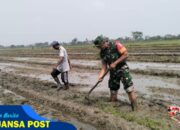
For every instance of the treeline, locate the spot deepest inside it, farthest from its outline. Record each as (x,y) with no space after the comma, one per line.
(1,46)
(135,36)
(138,36)
(44,44)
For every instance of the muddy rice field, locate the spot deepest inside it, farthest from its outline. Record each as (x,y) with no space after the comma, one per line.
(27,80)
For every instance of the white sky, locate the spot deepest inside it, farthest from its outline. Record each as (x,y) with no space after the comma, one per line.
(31,21)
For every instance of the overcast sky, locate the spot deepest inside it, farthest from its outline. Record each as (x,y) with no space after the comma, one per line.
(31,21)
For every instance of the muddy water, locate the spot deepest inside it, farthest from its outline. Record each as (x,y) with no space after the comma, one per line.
(51,60)
(151,65)
(141,82)
(86,63)
(43,88)
(89,78)
(97,63)
(9,65)
(38,60)
(85,79)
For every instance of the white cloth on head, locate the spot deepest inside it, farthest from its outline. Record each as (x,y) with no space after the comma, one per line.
(64,66)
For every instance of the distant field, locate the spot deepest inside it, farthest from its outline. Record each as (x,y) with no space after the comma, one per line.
(157,51)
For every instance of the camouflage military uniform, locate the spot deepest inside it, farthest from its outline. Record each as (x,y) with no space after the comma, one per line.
(120,73)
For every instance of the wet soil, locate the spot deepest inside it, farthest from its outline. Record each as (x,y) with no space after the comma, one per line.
(169,91)
(33,82)
(150,68)
(100,113)
(8,97)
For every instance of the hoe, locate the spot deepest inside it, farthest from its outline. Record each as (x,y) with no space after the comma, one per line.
(87,97)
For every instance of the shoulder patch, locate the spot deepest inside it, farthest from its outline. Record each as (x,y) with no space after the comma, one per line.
(120,47)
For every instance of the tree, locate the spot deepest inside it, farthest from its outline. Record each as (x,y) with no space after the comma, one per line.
(41,44)
(121,39)
(158,37)
(74,41)
(137,35)
(178,36)
(147,38)
(12,46)
(169,36)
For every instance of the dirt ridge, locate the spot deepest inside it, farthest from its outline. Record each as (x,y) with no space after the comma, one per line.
(94,116)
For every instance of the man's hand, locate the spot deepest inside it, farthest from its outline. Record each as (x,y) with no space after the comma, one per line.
(113,65)
(102,72)
(100,79)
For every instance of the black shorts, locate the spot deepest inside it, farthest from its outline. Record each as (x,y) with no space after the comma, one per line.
(55,73)
(64,75)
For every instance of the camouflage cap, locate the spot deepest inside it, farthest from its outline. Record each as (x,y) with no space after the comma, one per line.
(100,40)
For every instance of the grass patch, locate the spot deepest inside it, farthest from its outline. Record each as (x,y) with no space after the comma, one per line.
(89,51)
(129,116)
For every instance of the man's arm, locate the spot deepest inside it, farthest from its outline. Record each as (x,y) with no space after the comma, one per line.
(103,71)
(124,54)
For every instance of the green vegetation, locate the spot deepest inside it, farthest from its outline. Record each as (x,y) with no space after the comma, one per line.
(145,44)
(147,51)
(145,121)
(155,43)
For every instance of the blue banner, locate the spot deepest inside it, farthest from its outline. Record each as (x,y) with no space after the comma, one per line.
(24,117)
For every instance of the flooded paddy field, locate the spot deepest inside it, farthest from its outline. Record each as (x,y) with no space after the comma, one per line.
(150,68)
(29,81)
(155,66)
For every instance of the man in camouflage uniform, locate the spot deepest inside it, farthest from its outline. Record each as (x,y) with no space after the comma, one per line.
(114,55)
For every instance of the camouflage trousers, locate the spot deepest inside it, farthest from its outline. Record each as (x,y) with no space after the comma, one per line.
(122,75)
